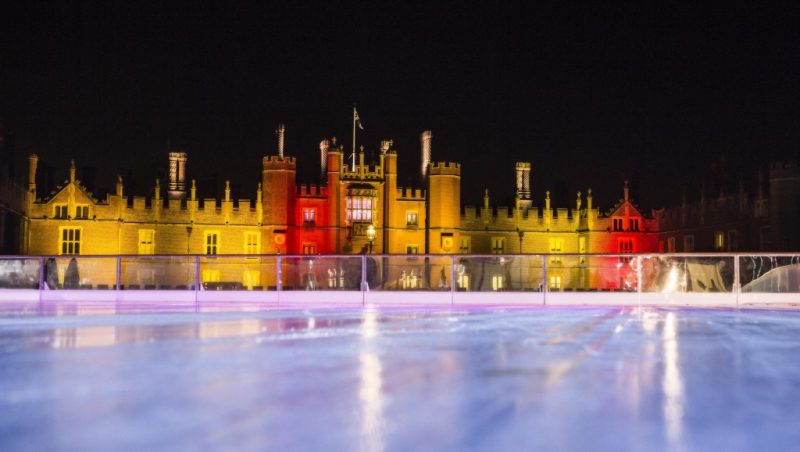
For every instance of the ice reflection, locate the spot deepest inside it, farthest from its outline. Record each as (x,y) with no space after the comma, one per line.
(371,391)
(672,384)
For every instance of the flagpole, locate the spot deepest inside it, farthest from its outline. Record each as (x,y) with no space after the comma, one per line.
(354,140)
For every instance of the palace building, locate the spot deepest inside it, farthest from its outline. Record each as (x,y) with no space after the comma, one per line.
(358,208)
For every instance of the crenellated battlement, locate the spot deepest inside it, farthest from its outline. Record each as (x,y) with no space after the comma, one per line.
(312,190)
(410,193)
(445,168)
(779,170)
(276,162)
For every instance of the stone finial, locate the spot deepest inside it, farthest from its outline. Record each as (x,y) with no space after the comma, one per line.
(626,191)
(119,185)
(72,170)
(194,190)
(486,198)
(578,202)
(547,200)
(227,190)
(157,190)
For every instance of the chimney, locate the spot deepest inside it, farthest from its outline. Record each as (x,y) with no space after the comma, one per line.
(176,188)
(280,132)
(425,143)
(324,145)
(33,162)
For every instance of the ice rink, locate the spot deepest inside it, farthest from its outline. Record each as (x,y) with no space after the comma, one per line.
(402,380)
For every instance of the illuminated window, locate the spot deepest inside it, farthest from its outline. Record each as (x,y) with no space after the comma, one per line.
(688,243)
(147,244)
(412,218)
(251,278)
(309,248)
(309,216)
(634,224)
(617,224)
(671,244)
(498,282)
(60,211)
(498,245)
(465,245)
(555,282)
(359,208)
(719,240)
(82,212)
(412,249)
(556,247)
(69,241)
(252,242)
(210,276)
(212,242)
(625,247)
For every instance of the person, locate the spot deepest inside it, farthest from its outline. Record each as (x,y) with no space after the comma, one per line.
(71,278)
(51,274)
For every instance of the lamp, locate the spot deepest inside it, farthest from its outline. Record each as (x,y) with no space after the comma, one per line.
(371,236)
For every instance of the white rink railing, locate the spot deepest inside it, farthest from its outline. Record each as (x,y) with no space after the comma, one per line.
(724,279)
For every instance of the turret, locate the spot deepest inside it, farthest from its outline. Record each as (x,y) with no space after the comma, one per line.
(444,206)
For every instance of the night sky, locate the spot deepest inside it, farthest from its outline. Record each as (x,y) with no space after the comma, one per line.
(591,95)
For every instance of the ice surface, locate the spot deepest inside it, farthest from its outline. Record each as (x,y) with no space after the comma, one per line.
(401,380)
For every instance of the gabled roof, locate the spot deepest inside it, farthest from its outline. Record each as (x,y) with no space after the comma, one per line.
(82,195)
(619,209)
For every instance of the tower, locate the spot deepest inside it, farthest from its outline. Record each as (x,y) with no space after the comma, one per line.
(444,207)
(279,186)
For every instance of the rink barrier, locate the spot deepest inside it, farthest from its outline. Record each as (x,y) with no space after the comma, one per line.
(714,279)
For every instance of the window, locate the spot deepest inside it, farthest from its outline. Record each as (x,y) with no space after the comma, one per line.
(82,212)
(719,240)
(498,245)
(617,224)
(412,218)
(70,241)
(210,276)
(634,224)
(251,278)
(555,282)
(147,241)
(671,244)
(412,249)
(733,242)
(252,242)
(556,247)
(498,282)
(309,248)
(212,243)
(359,208)
(309,216)
(625,247)
(60,211)
(688,243)
(465,245)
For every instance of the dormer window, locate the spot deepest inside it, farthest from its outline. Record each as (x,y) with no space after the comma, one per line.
(82,212)
(617,222)
(634,224)
(60,211)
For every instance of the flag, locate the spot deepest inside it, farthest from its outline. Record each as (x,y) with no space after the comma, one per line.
(357,119)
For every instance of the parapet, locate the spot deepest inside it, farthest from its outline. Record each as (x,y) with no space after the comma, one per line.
(445,168)
(410,193)
(276,162)
(311,190)
(779,170)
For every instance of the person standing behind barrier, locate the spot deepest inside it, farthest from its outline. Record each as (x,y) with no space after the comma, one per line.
(71,277)
(51,274)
